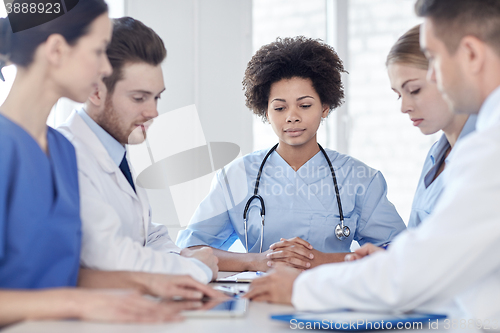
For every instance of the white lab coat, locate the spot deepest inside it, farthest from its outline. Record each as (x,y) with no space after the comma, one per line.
(450,263)
(117,231)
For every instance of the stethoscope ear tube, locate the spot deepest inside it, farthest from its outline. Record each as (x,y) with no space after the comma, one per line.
(341,231)
(262,215)
(249,202)
(258,197)
(339,204)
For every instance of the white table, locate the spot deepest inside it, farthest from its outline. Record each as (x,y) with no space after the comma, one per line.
(256,320)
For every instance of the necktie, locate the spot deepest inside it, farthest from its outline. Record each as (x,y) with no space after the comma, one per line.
(126,171)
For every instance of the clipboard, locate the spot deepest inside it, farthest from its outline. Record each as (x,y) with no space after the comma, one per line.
(354,321)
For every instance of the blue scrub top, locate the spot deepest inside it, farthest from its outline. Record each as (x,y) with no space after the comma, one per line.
(298,204)
(40,228)
(429,191)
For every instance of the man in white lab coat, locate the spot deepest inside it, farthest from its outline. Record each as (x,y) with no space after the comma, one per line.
(450,263)
(117,231)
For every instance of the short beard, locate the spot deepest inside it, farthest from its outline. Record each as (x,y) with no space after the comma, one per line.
(109,120)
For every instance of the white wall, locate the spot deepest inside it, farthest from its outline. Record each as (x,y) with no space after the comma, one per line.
(209,43)
(380,135)
(370,126)
(208,46)
(285,18)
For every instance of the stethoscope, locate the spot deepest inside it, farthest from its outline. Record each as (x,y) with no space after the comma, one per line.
(341,231)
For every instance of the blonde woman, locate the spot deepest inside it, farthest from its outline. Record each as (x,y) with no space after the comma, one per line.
(426,108)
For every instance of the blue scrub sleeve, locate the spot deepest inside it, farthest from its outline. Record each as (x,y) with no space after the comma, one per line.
(379,221)
(217,232)
(3,206)
(6,175)
(204,228)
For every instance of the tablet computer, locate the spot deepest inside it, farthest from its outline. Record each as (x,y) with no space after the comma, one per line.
(359,321)
(235,307)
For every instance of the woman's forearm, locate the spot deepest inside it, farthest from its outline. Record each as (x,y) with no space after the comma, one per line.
(17,306)
(239,262)
(328,258)
(89,278)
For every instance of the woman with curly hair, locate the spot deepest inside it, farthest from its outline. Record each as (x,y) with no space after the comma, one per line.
(295,203)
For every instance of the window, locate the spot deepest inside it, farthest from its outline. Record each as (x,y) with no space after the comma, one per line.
(370,127)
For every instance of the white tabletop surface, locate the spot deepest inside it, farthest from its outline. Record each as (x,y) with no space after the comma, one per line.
(256,320)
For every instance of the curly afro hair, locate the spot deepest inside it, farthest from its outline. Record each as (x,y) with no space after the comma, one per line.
(293,57)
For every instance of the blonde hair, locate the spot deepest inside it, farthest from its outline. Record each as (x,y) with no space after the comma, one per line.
(407,51)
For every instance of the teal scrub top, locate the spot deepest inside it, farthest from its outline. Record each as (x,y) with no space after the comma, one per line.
(298,203)
(40,227)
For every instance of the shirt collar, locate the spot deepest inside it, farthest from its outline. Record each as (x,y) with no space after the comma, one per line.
(439,149)
(470,126)
(442,145)
(489,114)
(115,149)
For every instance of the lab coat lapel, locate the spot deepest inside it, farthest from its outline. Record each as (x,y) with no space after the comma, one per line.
(80,130)
(142,197)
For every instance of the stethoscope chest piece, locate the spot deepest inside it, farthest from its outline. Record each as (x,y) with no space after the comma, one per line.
(342,231)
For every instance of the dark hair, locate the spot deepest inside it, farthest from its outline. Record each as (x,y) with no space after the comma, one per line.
(293,57)
(407,50)
(20,47)
(132,42)
(454,19)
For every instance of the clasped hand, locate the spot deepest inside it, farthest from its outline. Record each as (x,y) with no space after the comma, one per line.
(298,253)
(294,252)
